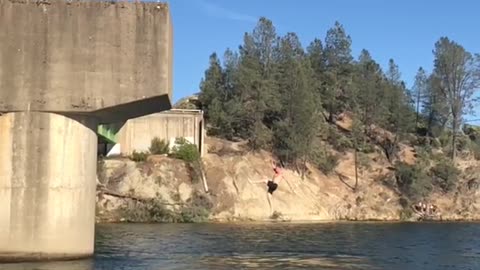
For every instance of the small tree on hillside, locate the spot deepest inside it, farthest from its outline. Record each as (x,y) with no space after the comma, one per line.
(419,91)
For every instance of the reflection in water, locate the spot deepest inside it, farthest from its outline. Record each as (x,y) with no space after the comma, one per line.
(346,246)
(63,265)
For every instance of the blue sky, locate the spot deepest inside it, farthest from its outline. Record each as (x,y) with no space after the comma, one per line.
(403,30)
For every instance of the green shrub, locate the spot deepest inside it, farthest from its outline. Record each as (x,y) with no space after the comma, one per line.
(445,174)
(424,156)
(421,130)
(153,210)
(445,139)
(337,140)
(404,202)
(473,132)
(325,161)
(276,215)
(462,143)
(412,181)
(475,149)
(438,157)
(406,214)
(367,148)
(139,156)
(197,209)
(159,147)
(262,136)
(436,143)
(185,150)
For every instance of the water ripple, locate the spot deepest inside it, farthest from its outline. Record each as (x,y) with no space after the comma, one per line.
(346,246)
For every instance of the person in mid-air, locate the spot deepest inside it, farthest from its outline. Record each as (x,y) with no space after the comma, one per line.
(272,184)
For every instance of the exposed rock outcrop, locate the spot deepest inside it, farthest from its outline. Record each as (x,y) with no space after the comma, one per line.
(229,170)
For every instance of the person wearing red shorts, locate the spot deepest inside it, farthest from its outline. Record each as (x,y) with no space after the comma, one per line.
(272,184)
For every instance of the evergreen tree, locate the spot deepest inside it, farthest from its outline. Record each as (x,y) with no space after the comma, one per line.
(213,92)
(255,84)
(230,125)
(298,127)
(316,57)
(419,91)
(400,110)
(458,73)
(434,108)
(338,74)
(369,92)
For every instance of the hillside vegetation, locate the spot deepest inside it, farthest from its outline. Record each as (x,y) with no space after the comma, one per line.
(166,189)
(289,100)
(356,143)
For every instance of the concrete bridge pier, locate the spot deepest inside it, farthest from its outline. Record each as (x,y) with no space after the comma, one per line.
(87,61)
(47,186)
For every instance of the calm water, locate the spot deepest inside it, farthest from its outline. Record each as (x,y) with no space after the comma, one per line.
(280,246)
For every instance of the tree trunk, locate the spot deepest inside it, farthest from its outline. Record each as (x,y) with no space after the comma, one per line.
(304,167)
(454,137)
(356,170)
(330,113)
(429,125)
(418,107)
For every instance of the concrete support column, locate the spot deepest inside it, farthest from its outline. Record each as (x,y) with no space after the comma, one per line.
(47,186)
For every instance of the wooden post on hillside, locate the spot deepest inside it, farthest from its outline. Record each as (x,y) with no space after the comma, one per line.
(202,175)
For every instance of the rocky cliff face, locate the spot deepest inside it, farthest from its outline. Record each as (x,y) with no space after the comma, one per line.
(126,187)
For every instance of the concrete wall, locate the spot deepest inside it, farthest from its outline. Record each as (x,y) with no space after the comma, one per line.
(107,61)
(82,56)
(47,186)
(137,133)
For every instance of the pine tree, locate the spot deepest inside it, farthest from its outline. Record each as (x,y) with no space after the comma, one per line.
(419,91)
(400,110)
(337,76)
(458,72)
(255,84)
(316,57)
(299,124)
(434,108)
(369,92)
(212,91)
(230,125)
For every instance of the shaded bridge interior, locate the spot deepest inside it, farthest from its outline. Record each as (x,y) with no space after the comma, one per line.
(111,119)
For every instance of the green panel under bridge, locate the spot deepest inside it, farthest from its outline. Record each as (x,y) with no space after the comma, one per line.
(109,132)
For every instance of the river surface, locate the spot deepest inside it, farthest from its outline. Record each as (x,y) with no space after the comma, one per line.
(279,246)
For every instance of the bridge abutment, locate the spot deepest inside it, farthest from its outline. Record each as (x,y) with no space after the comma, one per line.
(47,186)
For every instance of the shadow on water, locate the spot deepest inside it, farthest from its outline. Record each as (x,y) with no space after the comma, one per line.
(348,246)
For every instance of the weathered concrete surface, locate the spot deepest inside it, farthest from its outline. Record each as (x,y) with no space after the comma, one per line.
(137,134)
(47,186)
(84,56)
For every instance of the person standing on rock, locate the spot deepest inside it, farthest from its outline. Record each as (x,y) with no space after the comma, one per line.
(272,184)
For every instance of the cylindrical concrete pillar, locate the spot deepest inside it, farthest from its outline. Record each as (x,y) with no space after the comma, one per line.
(47,186)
